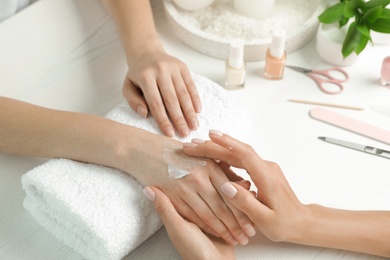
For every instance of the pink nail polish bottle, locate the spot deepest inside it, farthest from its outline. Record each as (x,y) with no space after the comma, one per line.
(276,56)
(385,72)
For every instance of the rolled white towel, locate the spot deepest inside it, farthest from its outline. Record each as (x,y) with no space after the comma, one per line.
(101,212)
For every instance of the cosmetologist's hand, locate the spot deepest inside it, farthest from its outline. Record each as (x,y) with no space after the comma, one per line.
(189,240)
(276,211)
(162,85)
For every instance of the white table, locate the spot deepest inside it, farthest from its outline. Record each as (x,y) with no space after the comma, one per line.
(65,54)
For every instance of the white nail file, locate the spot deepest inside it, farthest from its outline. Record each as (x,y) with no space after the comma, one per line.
(351,124)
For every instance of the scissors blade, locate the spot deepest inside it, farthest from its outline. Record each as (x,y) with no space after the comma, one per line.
(300,69)
(358,147)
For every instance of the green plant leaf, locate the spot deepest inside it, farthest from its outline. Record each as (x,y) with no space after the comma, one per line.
(351,40)
(351,7)
(372,14)
(361,44)
(343,22)
(373,3)
(385,14)
(365,31)
(333,14)
(380,25)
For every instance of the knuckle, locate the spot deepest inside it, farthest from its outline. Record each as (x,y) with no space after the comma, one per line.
(160,209)
(274,166)
(155,104)
(248,150)
(182,92)
(208,218)
(222,211)
(162,66)
(246,203)
(170,101)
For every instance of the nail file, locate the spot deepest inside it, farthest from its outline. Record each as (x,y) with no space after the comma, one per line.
(351,124)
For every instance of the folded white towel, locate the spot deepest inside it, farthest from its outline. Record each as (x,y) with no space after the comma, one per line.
(101,212)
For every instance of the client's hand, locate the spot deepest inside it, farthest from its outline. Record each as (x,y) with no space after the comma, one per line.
(197,196)
(188,239)
(162,84)
(276,211)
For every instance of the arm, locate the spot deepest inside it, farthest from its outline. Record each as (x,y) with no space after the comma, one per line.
(278,213)
(156,81)
(31,130)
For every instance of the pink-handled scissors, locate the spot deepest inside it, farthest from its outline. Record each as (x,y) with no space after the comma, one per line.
(326,80)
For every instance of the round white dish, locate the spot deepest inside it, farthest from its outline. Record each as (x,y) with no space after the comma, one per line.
(287,14)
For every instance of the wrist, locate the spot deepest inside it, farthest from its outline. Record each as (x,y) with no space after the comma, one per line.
(148,48)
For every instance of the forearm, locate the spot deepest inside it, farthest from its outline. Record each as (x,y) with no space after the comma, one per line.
(135,25)
(31,130)
(360,231)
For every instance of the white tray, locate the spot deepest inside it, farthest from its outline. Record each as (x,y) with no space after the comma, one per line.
(300,26)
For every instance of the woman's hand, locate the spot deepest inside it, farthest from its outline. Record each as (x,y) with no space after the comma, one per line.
(155,82)
(197,196)
(188,239)
(162,85)
(275,211)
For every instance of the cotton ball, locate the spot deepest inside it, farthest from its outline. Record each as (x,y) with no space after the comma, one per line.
(193,5)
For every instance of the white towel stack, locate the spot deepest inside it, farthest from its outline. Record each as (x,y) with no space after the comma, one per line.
(101,212)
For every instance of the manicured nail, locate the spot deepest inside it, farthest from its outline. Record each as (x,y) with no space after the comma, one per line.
(249,230)
(142,111)
(169,131)
(198,107)
(198,141)
(229,190)
(184,131)
(194,123)
(189,145)
(149,193)
(215,132)
(232,241)
(243,239)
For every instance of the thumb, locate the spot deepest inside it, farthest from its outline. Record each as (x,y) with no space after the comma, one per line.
(244,201)
(135,98)
(164,207)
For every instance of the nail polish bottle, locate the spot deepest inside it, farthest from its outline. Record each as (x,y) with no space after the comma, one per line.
(385,72)
(276,56)
(235,66)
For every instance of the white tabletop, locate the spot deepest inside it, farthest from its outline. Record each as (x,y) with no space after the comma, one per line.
(65,54)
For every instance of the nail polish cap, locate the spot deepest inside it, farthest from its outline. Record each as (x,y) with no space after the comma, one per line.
(278,43)
(236,54)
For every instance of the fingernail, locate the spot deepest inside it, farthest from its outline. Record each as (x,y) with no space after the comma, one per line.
(249,230)
(232,241)
(169,132)
(243,239)
(149,193)
(184,131)
(189,145)
(142,111)
(198,141)
(194,123)
(198,107)
(229,190)
(215,132)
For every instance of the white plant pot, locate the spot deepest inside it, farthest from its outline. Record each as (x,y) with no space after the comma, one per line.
(329,45)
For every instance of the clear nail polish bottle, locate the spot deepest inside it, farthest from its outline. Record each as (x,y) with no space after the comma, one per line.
(385,72)
(276,56)
(235,66)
